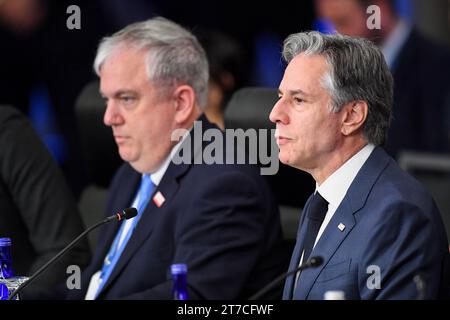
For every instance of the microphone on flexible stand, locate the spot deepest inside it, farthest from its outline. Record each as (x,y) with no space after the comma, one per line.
(314,262)
(127,213)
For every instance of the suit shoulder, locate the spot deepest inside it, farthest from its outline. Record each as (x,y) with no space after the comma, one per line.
(398,201)
(396,180)
(12,121)
(397,192)
(8,112)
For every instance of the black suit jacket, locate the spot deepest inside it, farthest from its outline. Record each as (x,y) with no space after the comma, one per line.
(221,220)
(37,209)
(421,97)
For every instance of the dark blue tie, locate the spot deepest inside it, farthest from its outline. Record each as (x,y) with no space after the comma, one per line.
(317,210)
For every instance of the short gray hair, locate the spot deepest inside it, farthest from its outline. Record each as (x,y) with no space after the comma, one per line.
(357,71)
(175,56)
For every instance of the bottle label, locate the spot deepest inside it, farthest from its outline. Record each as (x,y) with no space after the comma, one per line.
(3,291)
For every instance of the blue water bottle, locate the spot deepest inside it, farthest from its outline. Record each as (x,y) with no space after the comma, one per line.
(179,276)
(8,282)
(6,271)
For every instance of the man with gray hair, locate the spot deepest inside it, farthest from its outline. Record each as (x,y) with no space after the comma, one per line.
(219,220)
(379,234)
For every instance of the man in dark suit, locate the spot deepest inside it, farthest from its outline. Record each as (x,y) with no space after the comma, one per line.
(37,210)
(421,70)
(422,97)
(218,219)
(375,227)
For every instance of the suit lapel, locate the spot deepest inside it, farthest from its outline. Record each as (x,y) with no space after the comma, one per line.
(327,245)
(332,236)
(295,260)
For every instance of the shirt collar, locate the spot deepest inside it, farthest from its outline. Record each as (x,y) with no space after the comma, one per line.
(335,187)
(159,173)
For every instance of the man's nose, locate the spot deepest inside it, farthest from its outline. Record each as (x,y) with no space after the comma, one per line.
(112,115)
(277,114)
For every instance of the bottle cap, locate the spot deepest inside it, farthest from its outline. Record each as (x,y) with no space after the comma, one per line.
(4,242)
(178,268)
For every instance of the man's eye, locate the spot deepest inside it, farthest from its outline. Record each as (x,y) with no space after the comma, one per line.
(127,99)
(298,100)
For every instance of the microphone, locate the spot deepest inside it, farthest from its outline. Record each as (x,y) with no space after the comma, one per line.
(314,262)
(127,213)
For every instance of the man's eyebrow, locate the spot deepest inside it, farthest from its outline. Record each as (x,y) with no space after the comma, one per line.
(298,91)
(124,91)
(118,93)
(295,92)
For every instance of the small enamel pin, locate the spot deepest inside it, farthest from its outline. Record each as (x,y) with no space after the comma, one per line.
(159,199)
(341,226)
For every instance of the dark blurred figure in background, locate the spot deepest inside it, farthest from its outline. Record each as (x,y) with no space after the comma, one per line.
(44,63)
(37,209)
(226,63)
(421,70)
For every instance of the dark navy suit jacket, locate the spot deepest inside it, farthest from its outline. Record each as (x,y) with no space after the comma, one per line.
(221,220)
(390,224)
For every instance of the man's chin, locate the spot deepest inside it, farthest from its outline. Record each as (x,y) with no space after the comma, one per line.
(125,155)
(284,159)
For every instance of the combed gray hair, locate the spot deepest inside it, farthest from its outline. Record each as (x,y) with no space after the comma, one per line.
(357,72)
(174,57)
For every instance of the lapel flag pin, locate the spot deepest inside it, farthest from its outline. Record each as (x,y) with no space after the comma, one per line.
(159,199)
(341,226)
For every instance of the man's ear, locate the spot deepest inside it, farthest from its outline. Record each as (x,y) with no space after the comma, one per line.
(354,114)
(184,103)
